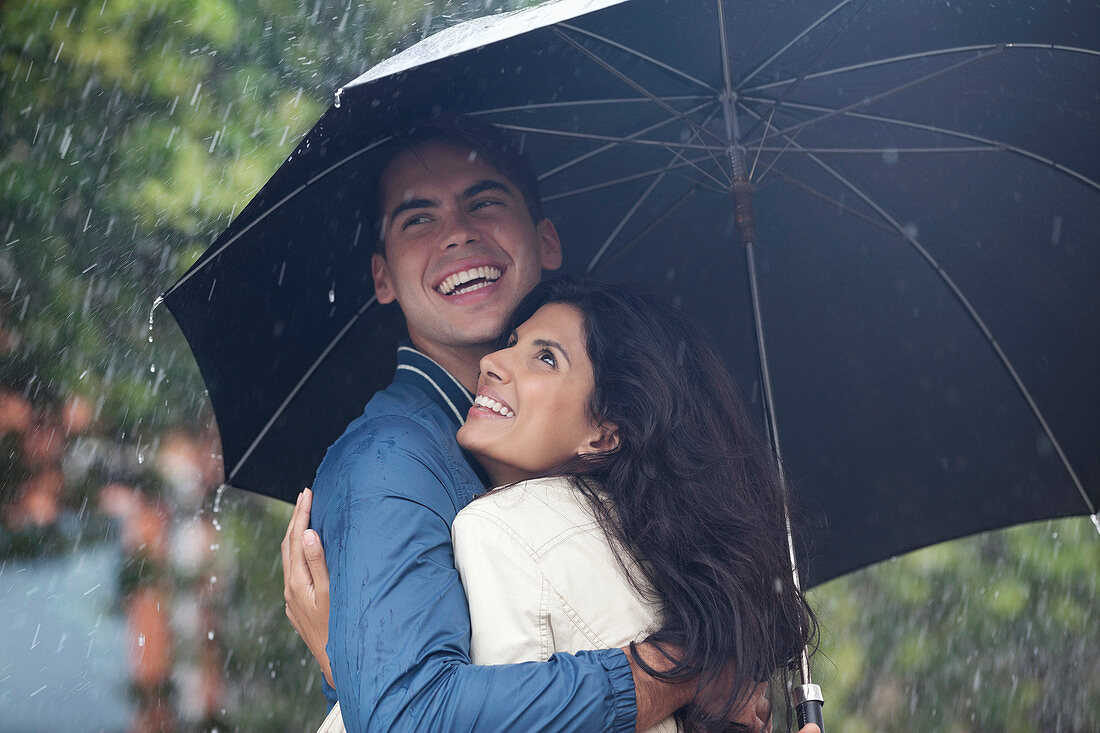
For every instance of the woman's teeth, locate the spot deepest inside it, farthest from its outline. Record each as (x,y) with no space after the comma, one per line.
(490,404)
(468,281)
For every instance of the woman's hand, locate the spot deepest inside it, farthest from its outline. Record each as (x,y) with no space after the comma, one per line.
(305,582)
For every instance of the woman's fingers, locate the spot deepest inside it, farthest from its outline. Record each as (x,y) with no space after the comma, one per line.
(285,549)
(315,559)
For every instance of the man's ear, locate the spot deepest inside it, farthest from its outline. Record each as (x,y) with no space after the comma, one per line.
(383,284)
(603,439)
(550,255)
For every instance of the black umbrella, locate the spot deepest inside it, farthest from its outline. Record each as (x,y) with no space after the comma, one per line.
(925,181)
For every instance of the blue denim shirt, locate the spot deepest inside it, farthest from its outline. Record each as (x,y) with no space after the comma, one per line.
(399,627)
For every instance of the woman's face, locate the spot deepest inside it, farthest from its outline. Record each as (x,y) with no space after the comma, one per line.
(531,411)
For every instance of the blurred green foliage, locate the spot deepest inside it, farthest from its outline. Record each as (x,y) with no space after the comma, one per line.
(996,632)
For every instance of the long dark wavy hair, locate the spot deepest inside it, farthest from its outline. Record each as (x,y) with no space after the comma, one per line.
(691,493)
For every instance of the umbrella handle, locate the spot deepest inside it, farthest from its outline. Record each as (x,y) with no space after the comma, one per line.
(808,705)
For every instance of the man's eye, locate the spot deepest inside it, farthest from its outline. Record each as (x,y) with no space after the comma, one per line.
(483,203)
(414,220)
(547,357)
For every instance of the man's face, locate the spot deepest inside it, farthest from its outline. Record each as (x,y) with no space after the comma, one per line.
(461,249)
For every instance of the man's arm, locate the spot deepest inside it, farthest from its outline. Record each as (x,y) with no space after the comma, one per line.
(306,583)
(399,626)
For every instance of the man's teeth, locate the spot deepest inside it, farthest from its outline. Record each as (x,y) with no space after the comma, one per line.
(490,404)
(456,283)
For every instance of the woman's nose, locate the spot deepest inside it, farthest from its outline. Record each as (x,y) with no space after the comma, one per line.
(494,367)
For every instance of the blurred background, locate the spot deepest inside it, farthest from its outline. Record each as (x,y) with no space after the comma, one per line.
(136,596)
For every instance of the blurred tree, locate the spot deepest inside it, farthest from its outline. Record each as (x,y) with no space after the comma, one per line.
(994,633)
(130,134)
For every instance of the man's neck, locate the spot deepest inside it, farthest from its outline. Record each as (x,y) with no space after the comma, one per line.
(462,362)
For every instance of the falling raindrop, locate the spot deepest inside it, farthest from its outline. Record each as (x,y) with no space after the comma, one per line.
(157,302)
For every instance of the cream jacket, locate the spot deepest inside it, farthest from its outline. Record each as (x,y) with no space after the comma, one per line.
(541,577)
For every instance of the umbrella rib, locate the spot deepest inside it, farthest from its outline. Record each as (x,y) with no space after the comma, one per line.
(623,222)
(198,266)
(995,144)
(724,45)
(786,148)
(639,54)
(298,387)
(580,159)
(790,43)
(880,151)
(926,55)
(653,224)
(882,95)
(787,92)
(624,179)
(631,83)
(714,158)
(835,202)
(586,102)
(974,316)
(603,138)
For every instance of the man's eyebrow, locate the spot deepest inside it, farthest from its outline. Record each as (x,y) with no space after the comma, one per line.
(412,204)
(486,184)
(551,344)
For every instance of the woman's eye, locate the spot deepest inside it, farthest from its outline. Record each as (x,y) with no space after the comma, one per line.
(547,357)
(511,341)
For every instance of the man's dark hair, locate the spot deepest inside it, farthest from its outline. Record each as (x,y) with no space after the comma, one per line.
(496,147)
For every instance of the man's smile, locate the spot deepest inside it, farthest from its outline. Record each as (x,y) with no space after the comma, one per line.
(469,280)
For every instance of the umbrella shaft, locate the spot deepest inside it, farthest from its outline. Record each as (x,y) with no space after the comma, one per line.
(748,239)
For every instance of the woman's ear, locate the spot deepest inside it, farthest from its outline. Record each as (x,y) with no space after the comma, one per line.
(603,439)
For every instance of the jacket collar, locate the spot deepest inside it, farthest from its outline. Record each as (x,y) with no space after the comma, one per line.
(415,367)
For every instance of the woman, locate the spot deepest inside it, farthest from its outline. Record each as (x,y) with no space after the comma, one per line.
(636,500)
(626,403)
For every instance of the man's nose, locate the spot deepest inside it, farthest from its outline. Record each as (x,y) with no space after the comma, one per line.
(460,230)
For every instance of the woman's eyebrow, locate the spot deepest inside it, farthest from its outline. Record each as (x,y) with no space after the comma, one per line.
(548,343)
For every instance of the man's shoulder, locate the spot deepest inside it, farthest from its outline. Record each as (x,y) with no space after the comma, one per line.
(403,445)
(399,415)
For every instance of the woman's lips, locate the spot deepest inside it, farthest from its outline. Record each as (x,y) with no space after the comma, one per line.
(490,404)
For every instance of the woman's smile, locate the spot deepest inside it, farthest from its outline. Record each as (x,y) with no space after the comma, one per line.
(531,413)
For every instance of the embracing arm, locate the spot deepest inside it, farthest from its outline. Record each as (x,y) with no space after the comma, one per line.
(398,623)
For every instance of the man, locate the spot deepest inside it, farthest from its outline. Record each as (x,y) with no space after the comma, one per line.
(461,240)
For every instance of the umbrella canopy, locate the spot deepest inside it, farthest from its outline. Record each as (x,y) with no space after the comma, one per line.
(926,199)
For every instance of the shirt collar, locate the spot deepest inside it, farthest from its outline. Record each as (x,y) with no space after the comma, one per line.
(415,367)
